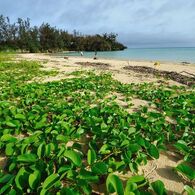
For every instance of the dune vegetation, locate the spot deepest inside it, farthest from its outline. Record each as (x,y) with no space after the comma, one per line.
(71,136)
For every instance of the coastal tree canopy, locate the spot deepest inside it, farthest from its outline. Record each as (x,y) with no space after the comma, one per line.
(45,38)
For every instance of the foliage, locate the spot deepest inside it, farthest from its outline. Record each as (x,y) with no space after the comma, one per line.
(189,190)
(66,136)
(21,35)
(186,170)
(135,185)
(5,56)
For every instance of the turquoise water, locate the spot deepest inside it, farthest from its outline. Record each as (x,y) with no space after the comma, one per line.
(162,54)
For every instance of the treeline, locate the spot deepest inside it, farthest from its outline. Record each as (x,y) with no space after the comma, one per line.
(45,38)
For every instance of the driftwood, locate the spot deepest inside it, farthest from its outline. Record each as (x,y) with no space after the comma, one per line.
(93,64)
(183,79)
(185,63)
(188,73)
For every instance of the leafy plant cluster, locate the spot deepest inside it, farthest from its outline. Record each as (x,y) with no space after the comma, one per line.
(45,38)
(70,136)
(5,56)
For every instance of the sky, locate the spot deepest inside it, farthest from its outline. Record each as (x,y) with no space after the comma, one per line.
(138,23)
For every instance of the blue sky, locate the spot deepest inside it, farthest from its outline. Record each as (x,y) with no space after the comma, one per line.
(138,23)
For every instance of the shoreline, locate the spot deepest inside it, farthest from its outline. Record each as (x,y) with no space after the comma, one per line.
(90,54)
(134,60)
(116,67)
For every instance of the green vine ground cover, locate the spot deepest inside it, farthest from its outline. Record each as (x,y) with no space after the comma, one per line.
(65,137)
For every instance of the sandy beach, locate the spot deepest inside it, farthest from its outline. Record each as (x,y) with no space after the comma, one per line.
(97,97)
(116,67)
(155,169)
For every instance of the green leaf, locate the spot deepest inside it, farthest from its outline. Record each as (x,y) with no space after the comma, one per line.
(130,187)
(41,150)
(8,138)
(153,151)
(74,157)
(189,190)
(127,156)
(133,167)
(24,148)
(20,116)
(64,169)
(12,166)
(104,149)
(104,127)
(125,143)
(134,148)
(21,178)
(61,152)
(186,171)
(182,147)
(34,179)
(48,150)
(4,188)
(9,149)
(137,179)
(91,156)
(12,192)
(100,168)
(158,187)
(131,130)
(68,191)
(120,165)
(6,178)
(114,184)
(87,175)
(71,174)
(40,125)
(62,138)
(28,158)
(10,124)
(140,141)
(132,193)
(86,188)
(50,181)
(43,192)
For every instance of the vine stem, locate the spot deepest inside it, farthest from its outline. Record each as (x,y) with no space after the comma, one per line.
(154,168)
(110,155)
(105,158)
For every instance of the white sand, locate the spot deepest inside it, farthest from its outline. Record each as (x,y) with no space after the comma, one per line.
(116,67)
(166,162)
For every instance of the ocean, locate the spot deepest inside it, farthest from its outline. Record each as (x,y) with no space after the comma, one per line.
(154,54)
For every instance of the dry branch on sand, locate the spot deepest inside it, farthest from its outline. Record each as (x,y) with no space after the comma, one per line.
(187,80)
(96,65)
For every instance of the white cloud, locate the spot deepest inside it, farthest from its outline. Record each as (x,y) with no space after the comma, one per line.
(136,21)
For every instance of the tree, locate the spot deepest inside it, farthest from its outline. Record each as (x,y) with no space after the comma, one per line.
(34,43)
(8,33)
(24,34)
(46,38)
(50,38)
